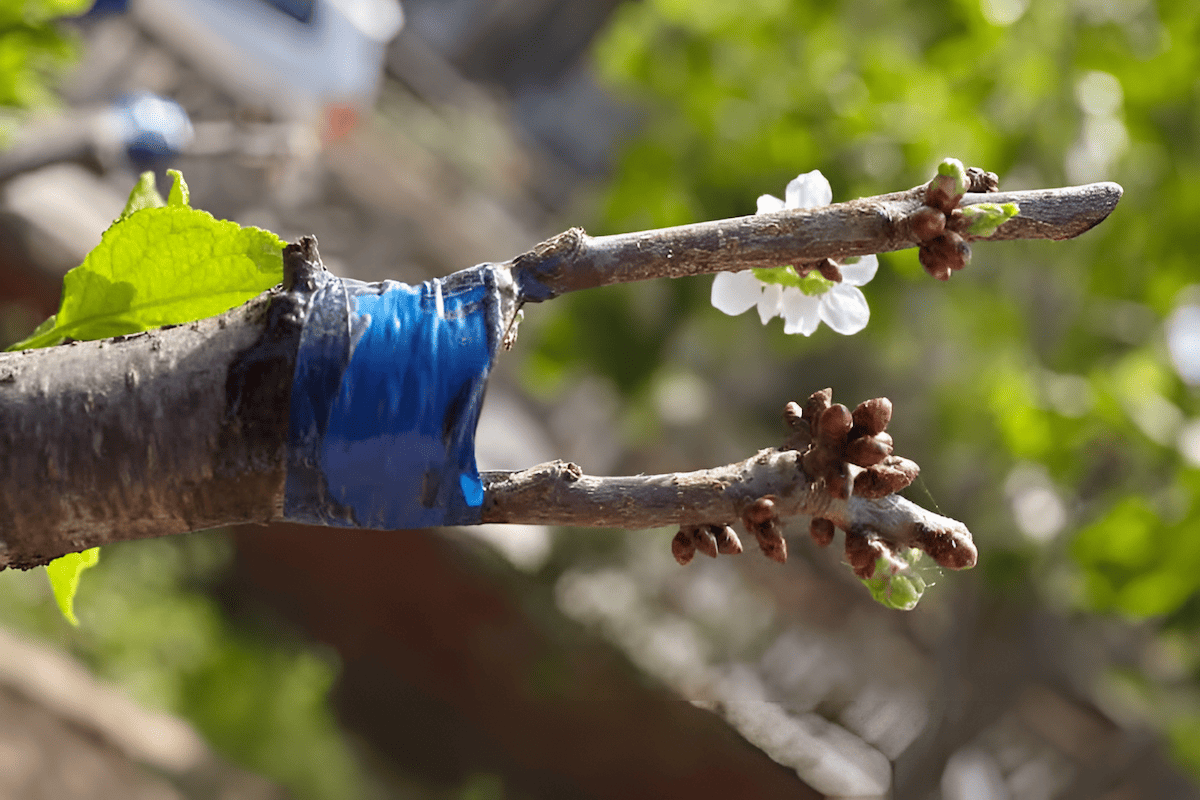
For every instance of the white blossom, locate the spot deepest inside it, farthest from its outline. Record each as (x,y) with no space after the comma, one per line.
(804,302)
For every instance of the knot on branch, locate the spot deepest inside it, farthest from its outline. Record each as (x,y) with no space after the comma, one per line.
(939,224)
(545,267)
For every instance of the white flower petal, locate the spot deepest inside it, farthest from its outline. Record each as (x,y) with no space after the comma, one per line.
(768,203)
(736,292)
(801,312)
(809,190)
(771,302)
(859,273)
(844,308)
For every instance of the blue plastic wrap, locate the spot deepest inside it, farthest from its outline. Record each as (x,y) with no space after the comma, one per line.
(386,396)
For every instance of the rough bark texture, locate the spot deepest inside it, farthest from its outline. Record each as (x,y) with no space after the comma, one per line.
(130,437)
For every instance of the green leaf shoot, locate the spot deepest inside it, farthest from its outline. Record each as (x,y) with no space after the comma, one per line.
(811,283)
(144,195)
(64,574)
(984,218)
(898,582)
(179,195)
(953,168)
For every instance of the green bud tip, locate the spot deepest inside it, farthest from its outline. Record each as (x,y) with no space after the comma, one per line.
(954,168)
(984,218)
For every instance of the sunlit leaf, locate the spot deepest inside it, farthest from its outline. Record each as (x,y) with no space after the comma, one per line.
(64,573)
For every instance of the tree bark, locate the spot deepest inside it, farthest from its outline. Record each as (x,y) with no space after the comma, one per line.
(133,437)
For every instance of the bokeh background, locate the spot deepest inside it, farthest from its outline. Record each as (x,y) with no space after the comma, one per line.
(1049,392)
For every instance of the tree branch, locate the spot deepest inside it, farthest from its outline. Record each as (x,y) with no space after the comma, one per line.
(558,493)
(573,260)
(129,438)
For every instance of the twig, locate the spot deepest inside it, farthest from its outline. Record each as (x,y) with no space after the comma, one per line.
(822,471)
(573,260)
(558,493)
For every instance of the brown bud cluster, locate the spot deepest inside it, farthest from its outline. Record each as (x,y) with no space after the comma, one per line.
(937,225)
(762,519)
(708,539)
(944,255)
(889,476)
(848,449)
(981,180)
(951,548)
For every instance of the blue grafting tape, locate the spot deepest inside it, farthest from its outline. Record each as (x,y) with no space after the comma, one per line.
(386,396)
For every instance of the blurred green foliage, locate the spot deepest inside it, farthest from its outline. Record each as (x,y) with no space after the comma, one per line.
(150,623)
(1035,387)
(33,48)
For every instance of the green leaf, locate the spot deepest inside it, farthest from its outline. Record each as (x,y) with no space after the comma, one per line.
(64,575)
(179,190)
(144,195)
(162,266)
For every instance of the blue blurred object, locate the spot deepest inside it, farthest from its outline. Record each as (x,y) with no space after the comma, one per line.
(102,8)
(294,57)
(152,129)
(386,396)
(301,10)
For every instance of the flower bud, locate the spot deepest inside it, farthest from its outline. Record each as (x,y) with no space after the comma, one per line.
(927,223)
(833,425)
(873,415)
(869,450)
(793,415)
(682,547)
(889,476)
(821,531)
(773,545)
(704,540)
(829,270)
(950,548)
(728,542)
(862,552)
(817,403)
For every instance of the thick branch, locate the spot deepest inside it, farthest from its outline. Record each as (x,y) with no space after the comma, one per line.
(573,260)
(130,438)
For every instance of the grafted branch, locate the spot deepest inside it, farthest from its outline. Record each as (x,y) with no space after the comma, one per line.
(186,427)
